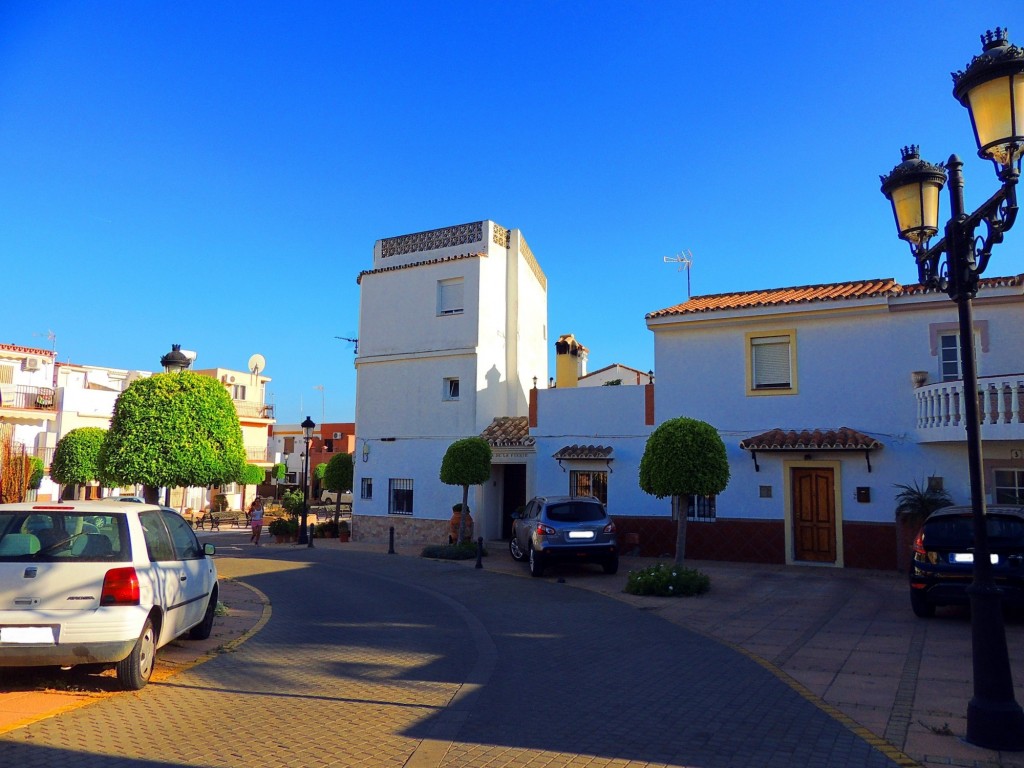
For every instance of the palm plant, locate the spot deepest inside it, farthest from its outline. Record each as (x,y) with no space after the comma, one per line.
(916,501)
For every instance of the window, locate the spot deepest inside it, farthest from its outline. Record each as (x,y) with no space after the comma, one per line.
(451,389)
(700,508)
(1009,486)
(6,374)
(366,488)
(238,391)
(589,483)
(949,357)
(400,496)
(770,363)
(449,296)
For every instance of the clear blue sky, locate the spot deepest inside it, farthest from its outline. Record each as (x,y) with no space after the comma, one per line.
(215,174)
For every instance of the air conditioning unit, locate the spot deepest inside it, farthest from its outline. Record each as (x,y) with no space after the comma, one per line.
(227,378)
(338,435)
(31,364)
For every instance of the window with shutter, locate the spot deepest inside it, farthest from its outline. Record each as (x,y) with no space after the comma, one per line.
(771,363)
(449,296)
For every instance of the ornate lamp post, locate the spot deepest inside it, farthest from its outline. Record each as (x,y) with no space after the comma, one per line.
(175,361)
(992,89)
(307,432)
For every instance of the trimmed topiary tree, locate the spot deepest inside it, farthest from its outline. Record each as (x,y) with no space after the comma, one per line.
(173,430)
(38,469)
(684,457)
(251,475)
(338,473)
(76,461)
(466,462)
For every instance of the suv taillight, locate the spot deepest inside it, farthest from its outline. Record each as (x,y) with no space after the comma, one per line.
(120,587)
(919,543)
(545,530)
(610,528)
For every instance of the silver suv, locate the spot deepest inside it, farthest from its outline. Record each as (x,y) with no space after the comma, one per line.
(552,528)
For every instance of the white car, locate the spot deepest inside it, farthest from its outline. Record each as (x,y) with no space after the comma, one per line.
(100,583)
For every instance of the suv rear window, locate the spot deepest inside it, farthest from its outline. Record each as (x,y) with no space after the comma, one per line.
(575,512)
(55,536)
(959,531)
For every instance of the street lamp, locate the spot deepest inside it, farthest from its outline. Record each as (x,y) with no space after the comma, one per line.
(307,431)
(992,89)
(175,361)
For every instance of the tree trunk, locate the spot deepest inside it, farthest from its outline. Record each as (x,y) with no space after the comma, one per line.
(463,513)
(679,510)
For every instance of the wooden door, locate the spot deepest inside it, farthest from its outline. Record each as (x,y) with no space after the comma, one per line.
(814,514)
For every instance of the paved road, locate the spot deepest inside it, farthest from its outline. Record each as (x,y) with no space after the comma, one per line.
(377,661)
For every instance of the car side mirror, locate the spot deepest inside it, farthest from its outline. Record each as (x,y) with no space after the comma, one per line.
(209,550)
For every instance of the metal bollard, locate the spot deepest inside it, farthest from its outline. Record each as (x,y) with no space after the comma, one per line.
(312,529)
(391,540)
(480,552)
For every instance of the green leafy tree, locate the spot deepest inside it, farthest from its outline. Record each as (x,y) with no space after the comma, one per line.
(318,477)
(173,430)
(466,462)
(251,475)
(683,457)
(36,477)
(76,461)
(279,473)
(337,478)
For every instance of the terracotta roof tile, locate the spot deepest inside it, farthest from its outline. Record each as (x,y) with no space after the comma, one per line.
(772,297)
(775,296)
(583,452)
(508,431)
(842,439)
(426,262)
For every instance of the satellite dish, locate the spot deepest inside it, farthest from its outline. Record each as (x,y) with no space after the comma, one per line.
(256,364)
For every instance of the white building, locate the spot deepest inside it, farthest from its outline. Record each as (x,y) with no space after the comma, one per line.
(28,407)
(452,335)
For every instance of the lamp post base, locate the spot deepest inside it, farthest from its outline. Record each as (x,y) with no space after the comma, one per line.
(997,725)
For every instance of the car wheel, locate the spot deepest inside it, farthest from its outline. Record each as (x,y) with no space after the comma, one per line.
(920,605)
(515,550)
(536,565)
(202,630)
(611,565)
(134,671)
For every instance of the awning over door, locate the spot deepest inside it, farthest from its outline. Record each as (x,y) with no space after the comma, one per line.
(806,440)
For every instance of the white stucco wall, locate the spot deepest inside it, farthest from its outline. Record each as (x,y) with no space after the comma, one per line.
(608,416)
(854,364)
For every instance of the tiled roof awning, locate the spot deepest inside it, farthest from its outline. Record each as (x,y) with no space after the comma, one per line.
(842,439)
(600,452)
(508,432)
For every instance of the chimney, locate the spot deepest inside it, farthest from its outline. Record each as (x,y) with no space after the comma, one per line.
(570,361)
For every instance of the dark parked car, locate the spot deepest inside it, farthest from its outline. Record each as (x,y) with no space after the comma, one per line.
(943,561)
(563,528)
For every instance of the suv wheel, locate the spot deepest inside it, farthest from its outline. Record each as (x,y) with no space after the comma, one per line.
(920,605)
(515,550)
(536,566)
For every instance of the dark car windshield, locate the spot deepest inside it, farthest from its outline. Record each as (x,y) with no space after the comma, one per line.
(959,531)
(575,512)
(52,536)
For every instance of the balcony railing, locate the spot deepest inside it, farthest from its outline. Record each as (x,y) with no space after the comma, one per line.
(256,454)
(27,398)
(254,410)
(940,408)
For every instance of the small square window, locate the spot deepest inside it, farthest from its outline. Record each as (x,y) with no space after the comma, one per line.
(366,488)
(451,389)
(765,491)
(449,296)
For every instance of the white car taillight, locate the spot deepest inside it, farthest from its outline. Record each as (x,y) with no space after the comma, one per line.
(545,530)
(120,587)
(610,528)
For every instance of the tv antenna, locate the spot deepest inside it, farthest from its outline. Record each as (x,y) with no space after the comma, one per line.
(353,342)
(685,261)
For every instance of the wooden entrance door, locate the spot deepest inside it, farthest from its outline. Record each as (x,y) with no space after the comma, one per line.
(814,514)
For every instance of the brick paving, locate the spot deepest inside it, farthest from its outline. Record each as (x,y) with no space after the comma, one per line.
(817,668)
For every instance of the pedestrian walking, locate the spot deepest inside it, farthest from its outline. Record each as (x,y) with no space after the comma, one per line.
(256,518)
